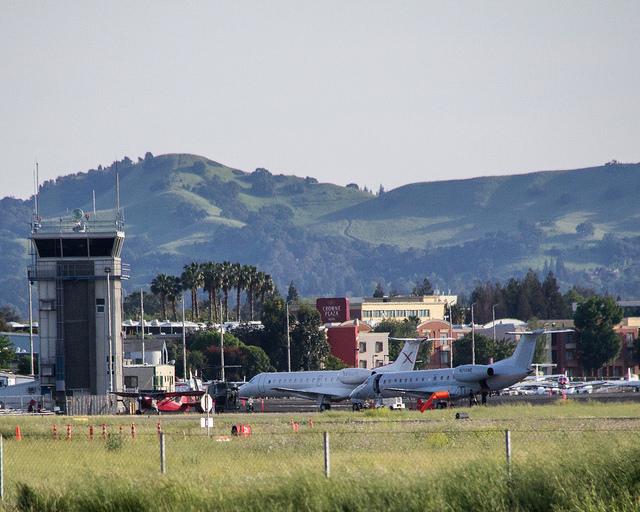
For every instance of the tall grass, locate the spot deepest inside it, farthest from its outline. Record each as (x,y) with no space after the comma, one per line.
(565,457)
(589,482)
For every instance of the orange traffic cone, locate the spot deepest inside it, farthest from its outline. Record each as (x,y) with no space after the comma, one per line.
(18,434)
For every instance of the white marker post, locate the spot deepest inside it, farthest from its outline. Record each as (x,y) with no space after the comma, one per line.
(327,456)
(206,402)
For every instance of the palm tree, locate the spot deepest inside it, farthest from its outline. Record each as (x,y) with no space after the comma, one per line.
(226,283)
(251,284)
(267,287)
(174,290)
(239,281)
(192,280)
(212,280)
(160,286)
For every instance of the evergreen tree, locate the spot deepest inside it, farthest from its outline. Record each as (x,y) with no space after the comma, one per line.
(275,339)
(555,305)
(309,346)
(532,289)
(378,292)
(594,320)
(423,288)
(292,294)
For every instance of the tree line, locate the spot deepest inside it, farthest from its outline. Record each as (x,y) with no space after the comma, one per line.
(217,280)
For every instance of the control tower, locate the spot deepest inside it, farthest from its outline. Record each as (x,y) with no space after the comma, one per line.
(78,271)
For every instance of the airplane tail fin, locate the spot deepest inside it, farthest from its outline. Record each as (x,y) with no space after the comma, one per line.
(522,356)
(406,360)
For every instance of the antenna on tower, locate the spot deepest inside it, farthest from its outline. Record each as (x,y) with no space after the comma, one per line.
(118,194)
(36,177)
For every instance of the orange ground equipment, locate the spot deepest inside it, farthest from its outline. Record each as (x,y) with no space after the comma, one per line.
(431,402)
(241,430)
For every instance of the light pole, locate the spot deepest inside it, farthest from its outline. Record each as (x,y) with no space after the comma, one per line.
(288,338)
(109,337)
(494,322)
(450,336)
(473,336)
(184,344)
(142,323)
(221,345)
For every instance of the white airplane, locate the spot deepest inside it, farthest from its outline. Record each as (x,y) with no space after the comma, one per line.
(461,381)
(325,386)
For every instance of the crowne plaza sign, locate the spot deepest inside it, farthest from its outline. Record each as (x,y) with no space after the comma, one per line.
(332,310)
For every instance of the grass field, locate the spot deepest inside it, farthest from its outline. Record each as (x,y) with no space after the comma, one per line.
(566,456)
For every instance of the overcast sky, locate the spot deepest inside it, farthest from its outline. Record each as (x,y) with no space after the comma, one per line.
(366,92)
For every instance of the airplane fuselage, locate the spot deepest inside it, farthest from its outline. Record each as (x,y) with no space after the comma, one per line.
(334,385)
(421,383)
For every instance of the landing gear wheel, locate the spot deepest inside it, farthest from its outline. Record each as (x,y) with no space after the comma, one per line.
(356,407)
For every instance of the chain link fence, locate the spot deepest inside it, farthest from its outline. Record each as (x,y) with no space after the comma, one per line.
(77,451)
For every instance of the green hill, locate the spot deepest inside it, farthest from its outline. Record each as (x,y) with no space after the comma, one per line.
(330,239)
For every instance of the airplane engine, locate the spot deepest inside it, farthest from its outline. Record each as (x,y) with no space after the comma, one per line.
(472,372)
(353,375)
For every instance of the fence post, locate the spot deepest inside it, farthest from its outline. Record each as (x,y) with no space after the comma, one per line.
(1,467)
(327,456)
(507,442)
(163,460)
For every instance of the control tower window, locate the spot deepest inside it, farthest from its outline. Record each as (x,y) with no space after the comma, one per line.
(100,246)
(48,247)
(74,247)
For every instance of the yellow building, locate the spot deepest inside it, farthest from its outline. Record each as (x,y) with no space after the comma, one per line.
(425,307)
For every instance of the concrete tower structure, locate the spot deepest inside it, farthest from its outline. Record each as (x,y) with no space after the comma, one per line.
(78,271)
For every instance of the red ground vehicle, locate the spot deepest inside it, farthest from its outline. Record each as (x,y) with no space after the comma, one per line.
(164,401)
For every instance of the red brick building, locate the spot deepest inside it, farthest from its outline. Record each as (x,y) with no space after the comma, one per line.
(357,345)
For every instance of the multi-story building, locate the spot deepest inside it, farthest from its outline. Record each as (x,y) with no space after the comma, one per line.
(426,307)
(354,343)
(78,271)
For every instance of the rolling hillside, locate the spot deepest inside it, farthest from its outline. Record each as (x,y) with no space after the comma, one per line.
(334,240)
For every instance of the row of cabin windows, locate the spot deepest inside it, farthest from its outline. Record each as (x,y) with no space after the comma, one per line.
(423,379)
(395,313)
(306,379)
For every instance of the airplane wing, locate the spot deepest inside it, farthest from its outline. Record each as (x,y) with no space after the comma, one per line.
(416,393)
(308,393)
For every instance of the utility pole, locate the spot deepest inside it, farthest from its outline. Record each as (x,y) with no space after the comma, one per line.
(494,322)
(288,339)
(221,346)
(142,323)
(473,336)
(450,336)
(184,344)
